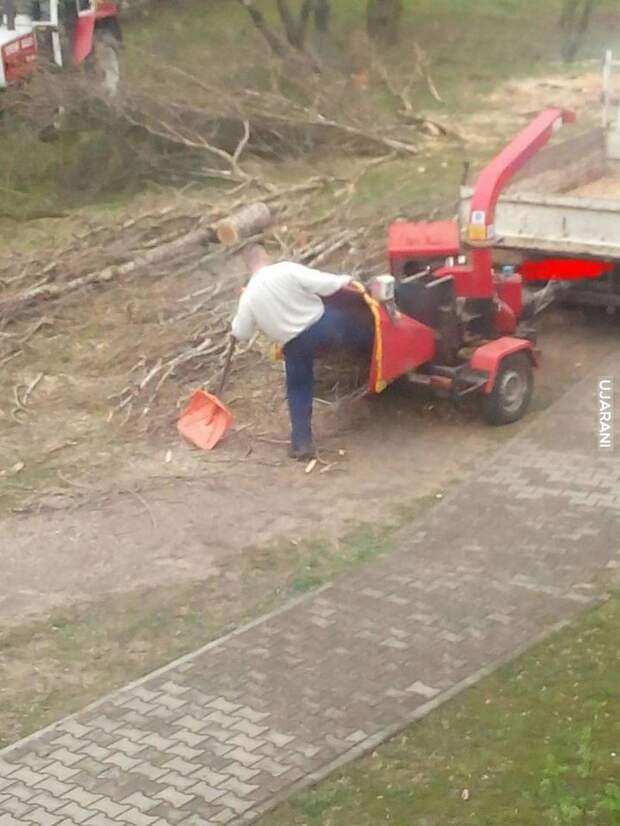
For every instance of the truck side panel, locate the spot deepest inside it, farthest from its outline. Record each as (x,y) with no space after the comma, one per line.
(558,224)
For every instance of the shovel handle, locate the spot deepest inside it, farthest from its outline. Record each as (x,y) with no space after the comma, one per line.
(227,361)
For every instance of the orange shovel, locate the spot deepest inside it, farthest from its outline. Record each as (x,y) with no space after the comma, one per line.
(206,420)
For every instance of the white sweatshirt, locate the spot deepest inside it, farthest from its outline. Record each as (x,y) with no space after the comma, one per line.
(282,300)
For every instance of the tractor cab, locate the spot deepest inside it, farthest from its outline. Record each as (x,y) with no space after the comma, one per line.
(66,32)
(18,43)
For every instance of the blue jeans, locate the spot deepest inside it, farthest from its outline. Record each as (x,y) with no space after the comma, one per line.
(335,329)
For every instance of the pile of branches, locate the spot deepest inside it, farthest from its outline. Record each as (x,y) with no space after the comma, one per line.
(154,242)
(177,241)
(339,240)
(355,243)
(299,115)
(229,133)
(98,255)
(266,124)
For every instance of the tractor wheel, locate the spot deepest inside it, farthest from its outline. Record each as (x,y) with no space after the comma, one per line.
(103,64)
(511,395)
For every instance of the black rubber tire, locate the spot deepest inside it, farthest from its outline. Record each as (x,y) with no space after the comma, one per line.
(512,392)
(103,64)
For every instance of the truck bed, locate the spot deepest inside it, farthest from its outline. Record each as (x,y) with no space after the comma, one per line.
(566,201)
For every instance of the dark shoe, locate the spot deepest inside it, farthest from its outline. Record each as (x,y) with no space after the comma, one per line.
(302,454)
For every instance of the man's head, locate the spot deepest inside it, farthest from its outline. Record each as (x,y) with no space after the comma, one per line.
(254,257)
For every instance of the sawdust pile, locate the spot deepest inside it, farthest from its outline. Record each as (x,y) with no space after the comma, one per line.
(607,187)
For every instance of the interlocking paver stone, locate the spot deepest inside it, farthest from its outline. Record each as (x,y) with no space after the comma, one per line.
(76,813)
(43,818)
(138,818)
(13,807)
(214,737)
(7,819)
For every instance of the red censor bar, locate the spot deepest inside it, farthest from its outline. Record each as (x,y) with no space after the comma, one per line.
(564,269)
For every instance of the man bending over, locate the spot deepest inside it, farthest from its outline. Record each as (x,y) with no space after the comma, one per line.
(283,301)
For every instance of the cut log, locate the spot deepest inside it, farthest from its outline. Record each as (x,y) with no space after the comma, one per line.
(245,223)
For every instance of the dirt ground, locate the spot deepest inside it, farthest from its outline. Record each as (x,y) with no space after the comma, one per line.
(121,546)
(181,516)
(94,505)
(514,102)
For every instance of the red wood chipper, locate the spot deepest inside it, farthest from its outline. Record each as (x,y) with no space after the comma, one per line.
(446,317)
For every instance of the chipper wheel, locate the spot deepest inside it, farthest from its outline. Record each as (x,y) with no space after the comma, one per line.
(511,395)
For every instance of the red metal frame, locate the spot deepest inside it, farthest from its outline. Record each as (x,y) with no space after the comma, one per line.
(463,279)
(488,357)
(498,173)
(402,345)
(105,9)
(19,57)
(490,183)
(84,32)
(476,280)
(510,292)
(83,38)
(425,240)
(435,239)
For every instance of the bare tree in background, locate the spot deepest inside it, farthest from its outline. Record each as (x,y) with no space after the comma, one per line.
(574,23)
(322,14)
(383,19)
(295,23)
(296,27)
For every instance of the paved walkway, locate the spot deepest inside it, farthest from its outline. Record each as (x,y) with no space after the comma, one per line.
(221,735)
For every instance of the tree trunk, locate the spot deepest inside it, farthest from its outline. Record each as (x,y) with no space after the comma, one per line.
(294,28)
(322,13)
(259,21)
(383,19)
(574,23)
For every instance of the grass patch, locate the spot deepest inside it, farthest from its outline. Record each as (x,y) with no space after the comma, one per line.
(536,744)
(53,668)
(471,47)
(321,561)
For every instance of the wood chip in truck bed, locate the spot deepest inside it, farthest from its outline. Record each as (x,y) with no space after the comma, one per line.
(606,187)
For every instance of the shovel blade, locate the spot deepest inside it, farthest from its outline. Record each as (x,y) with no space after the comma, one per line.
(205,421)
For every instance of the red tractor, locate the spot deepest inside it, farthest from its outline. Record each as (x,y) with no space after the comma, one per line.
(66,32)
(446,317)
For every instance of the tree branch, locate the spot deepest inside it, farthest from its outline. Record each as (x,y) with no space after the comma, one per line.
(261,24)
(289,23)
(308,7)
